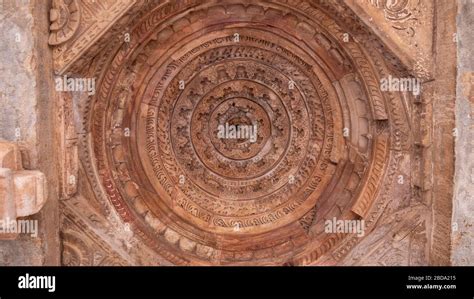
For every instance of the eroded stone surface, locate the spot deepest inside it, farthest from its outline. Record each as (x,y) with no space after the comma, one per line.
(17,63)
(463,211)
(30,192)
(7,199)
(10,156)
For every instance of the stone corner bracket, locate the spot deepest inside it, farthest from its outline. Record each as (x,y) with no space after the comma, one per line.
(22,192)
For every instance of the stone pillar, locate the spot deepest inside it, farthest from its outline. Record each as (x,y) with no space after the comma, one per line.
(28,166)
(463,205)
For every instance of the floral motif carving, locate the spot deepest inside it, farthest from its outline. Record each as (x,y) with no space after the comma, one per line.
(399,13)
(65,16)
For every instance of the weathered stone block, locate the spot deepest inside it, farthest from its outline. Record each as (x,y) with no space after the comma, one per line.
(30,192)
(22,192)
(7,202)
(10,156)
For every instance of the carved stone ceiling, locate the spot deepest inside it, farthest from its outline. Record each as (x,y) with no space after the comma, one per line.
(156,186)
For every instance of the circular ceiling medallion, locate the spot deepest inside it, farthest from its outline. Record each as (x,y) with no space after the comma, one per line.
(229,133)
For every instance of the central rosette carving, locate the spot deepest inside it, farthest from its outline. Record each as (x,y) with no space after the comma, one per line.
(248,107)
(239,128)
